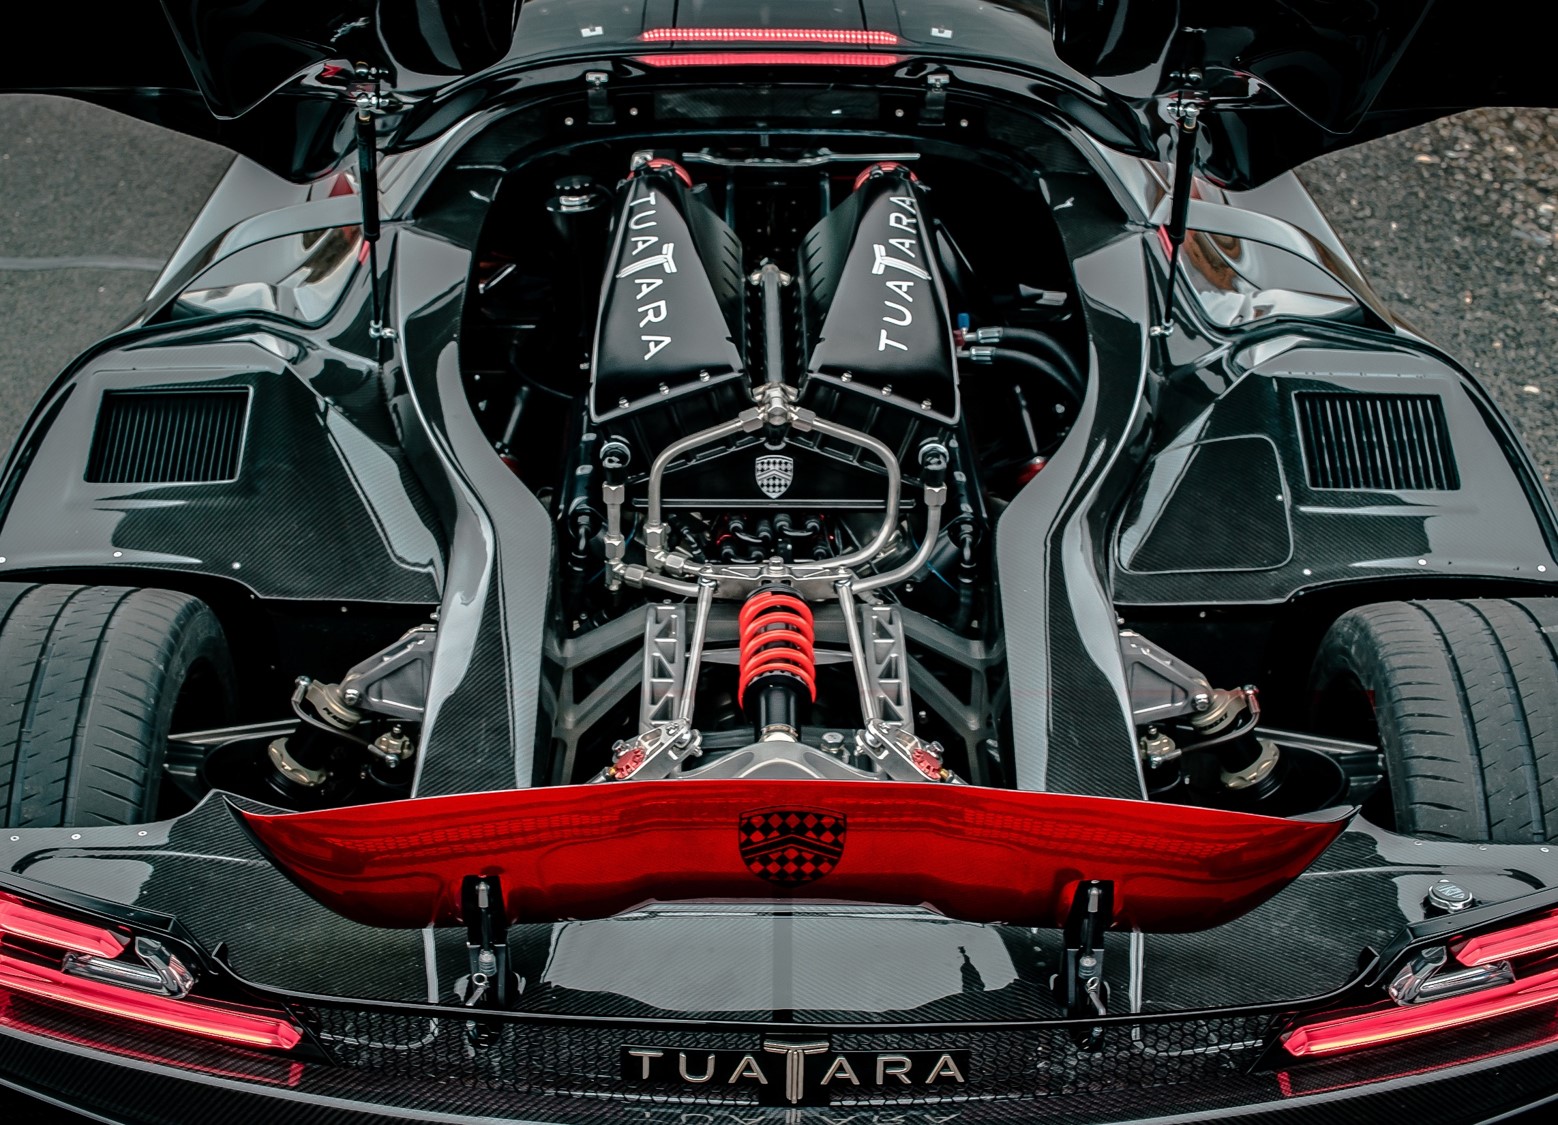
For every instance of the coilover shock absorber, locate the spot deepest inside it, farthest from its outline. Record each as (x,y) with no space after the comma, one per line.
(778,668)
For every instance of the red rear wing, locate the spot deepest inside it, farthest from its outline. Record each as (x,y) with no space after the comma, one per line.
(980,855)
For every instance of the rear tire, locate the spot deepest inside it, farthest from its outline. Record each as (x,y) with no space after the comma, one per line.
(1463,699)
(90,677)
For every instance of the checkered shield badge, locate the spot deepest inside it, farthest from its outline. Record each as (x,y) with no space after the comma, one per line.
(791,845)
(774,475)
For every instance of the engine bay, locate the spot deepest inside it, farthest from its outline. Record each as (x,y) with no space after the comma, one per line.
(765,416)
(775,400)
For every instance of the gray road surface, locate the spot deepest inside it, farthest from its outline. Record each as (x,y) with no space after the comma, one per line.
(1454,222)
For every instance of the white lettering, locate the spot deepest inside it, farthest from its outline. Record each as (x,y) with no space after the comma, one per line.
(904,201)
(654,313)
(840,1069)
(647,197)
(708,1069)
(884,343)
(644,1054)
(899,287)
(908,245)
(661,259)
(945,1065)
(883,261)
(901,221)
(647,285)
(908,317)
(748,1068)
(642,242)
(657,343)
(646,219)
(895,1065)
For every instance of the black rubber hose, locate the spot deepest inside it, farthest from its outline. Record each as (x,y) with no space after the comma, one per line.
(1032,340)
(1067,381)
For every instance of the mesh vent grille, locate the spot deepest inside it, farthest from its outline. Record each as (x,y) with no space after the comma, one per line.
(168,437)
(1369,441)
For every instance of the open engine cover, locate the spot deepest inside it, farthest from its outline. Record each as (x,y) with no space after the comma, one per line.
(671,314)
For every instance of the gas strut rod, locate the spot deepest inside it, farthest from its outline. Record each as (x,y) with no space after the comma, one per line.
(1188,115)
(369,101)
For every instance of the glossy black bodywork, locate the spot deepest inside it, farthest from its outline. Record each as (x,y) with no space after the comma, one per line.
(1285,83)
(388,465)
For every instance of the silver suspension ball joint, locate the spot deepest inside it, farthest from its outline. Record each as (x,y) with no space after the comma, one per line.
(1445,897)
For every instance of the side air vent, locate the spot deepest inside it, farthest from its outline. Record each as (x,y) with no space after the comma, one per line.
(1369,441)
(168,437)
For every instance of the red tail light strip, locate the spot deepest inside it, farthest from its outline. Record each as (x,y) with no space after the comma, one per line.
(250,1029)
(981,855)
(20,920)
(1370,1029)
(1517,941)
(768,58)
(841,37)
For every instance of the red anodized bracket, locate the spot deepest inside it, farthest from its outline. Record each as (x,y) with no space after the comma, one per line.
(980,855)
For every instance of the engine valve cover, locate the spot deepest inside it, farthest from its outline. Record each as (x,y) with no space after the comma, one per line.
(874,303)
(671,305)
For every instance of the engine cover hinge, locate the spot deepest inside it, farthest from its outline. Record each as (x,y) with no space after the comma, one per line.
(934,111)
(601,111)
(1080,986)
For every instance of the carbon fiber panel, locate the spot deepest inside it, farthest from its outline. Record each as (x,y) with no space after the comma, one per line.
(319,510)
(1070,717)
(481,726)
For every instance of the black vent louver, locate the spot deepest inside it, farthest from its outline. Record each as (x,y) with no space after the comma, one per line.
(1369,441)
(168,437)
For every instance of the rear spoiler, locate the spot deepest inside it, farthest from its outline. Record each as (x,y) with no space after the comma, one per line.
(974,854)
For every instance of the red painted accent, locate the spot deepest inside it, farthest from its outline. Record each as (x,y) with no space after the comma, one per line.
(362,252)
(776,633)
(341,185)
(984,855)
(1517,941)
(1166,242)
(660,162)
(1370,1029)
(628,764)
(768,58)
(231,1025)
(1031,469)
(842,37)
(20,920)
(891,166)
(926,763)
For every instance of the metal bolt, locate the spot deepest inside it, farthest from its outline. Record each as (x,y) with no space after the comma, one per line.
(1201,701)
(633,111)
(351,695)
(118,554)
(567,121)
(898,113)
(1448,897)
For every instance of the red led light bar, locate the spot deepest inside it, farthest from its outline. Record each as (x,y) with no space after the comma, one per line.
(249,1029)
(841,37)
(976,854)
(1517,941)
(1370,1029)
(768,58)
(20,920)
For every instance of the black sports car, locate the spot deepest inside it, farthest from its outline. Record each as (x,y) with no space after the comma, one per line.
(701,561)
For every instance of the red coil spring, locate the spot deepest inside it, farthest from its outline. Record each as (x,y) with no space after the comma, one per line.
(776,636)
